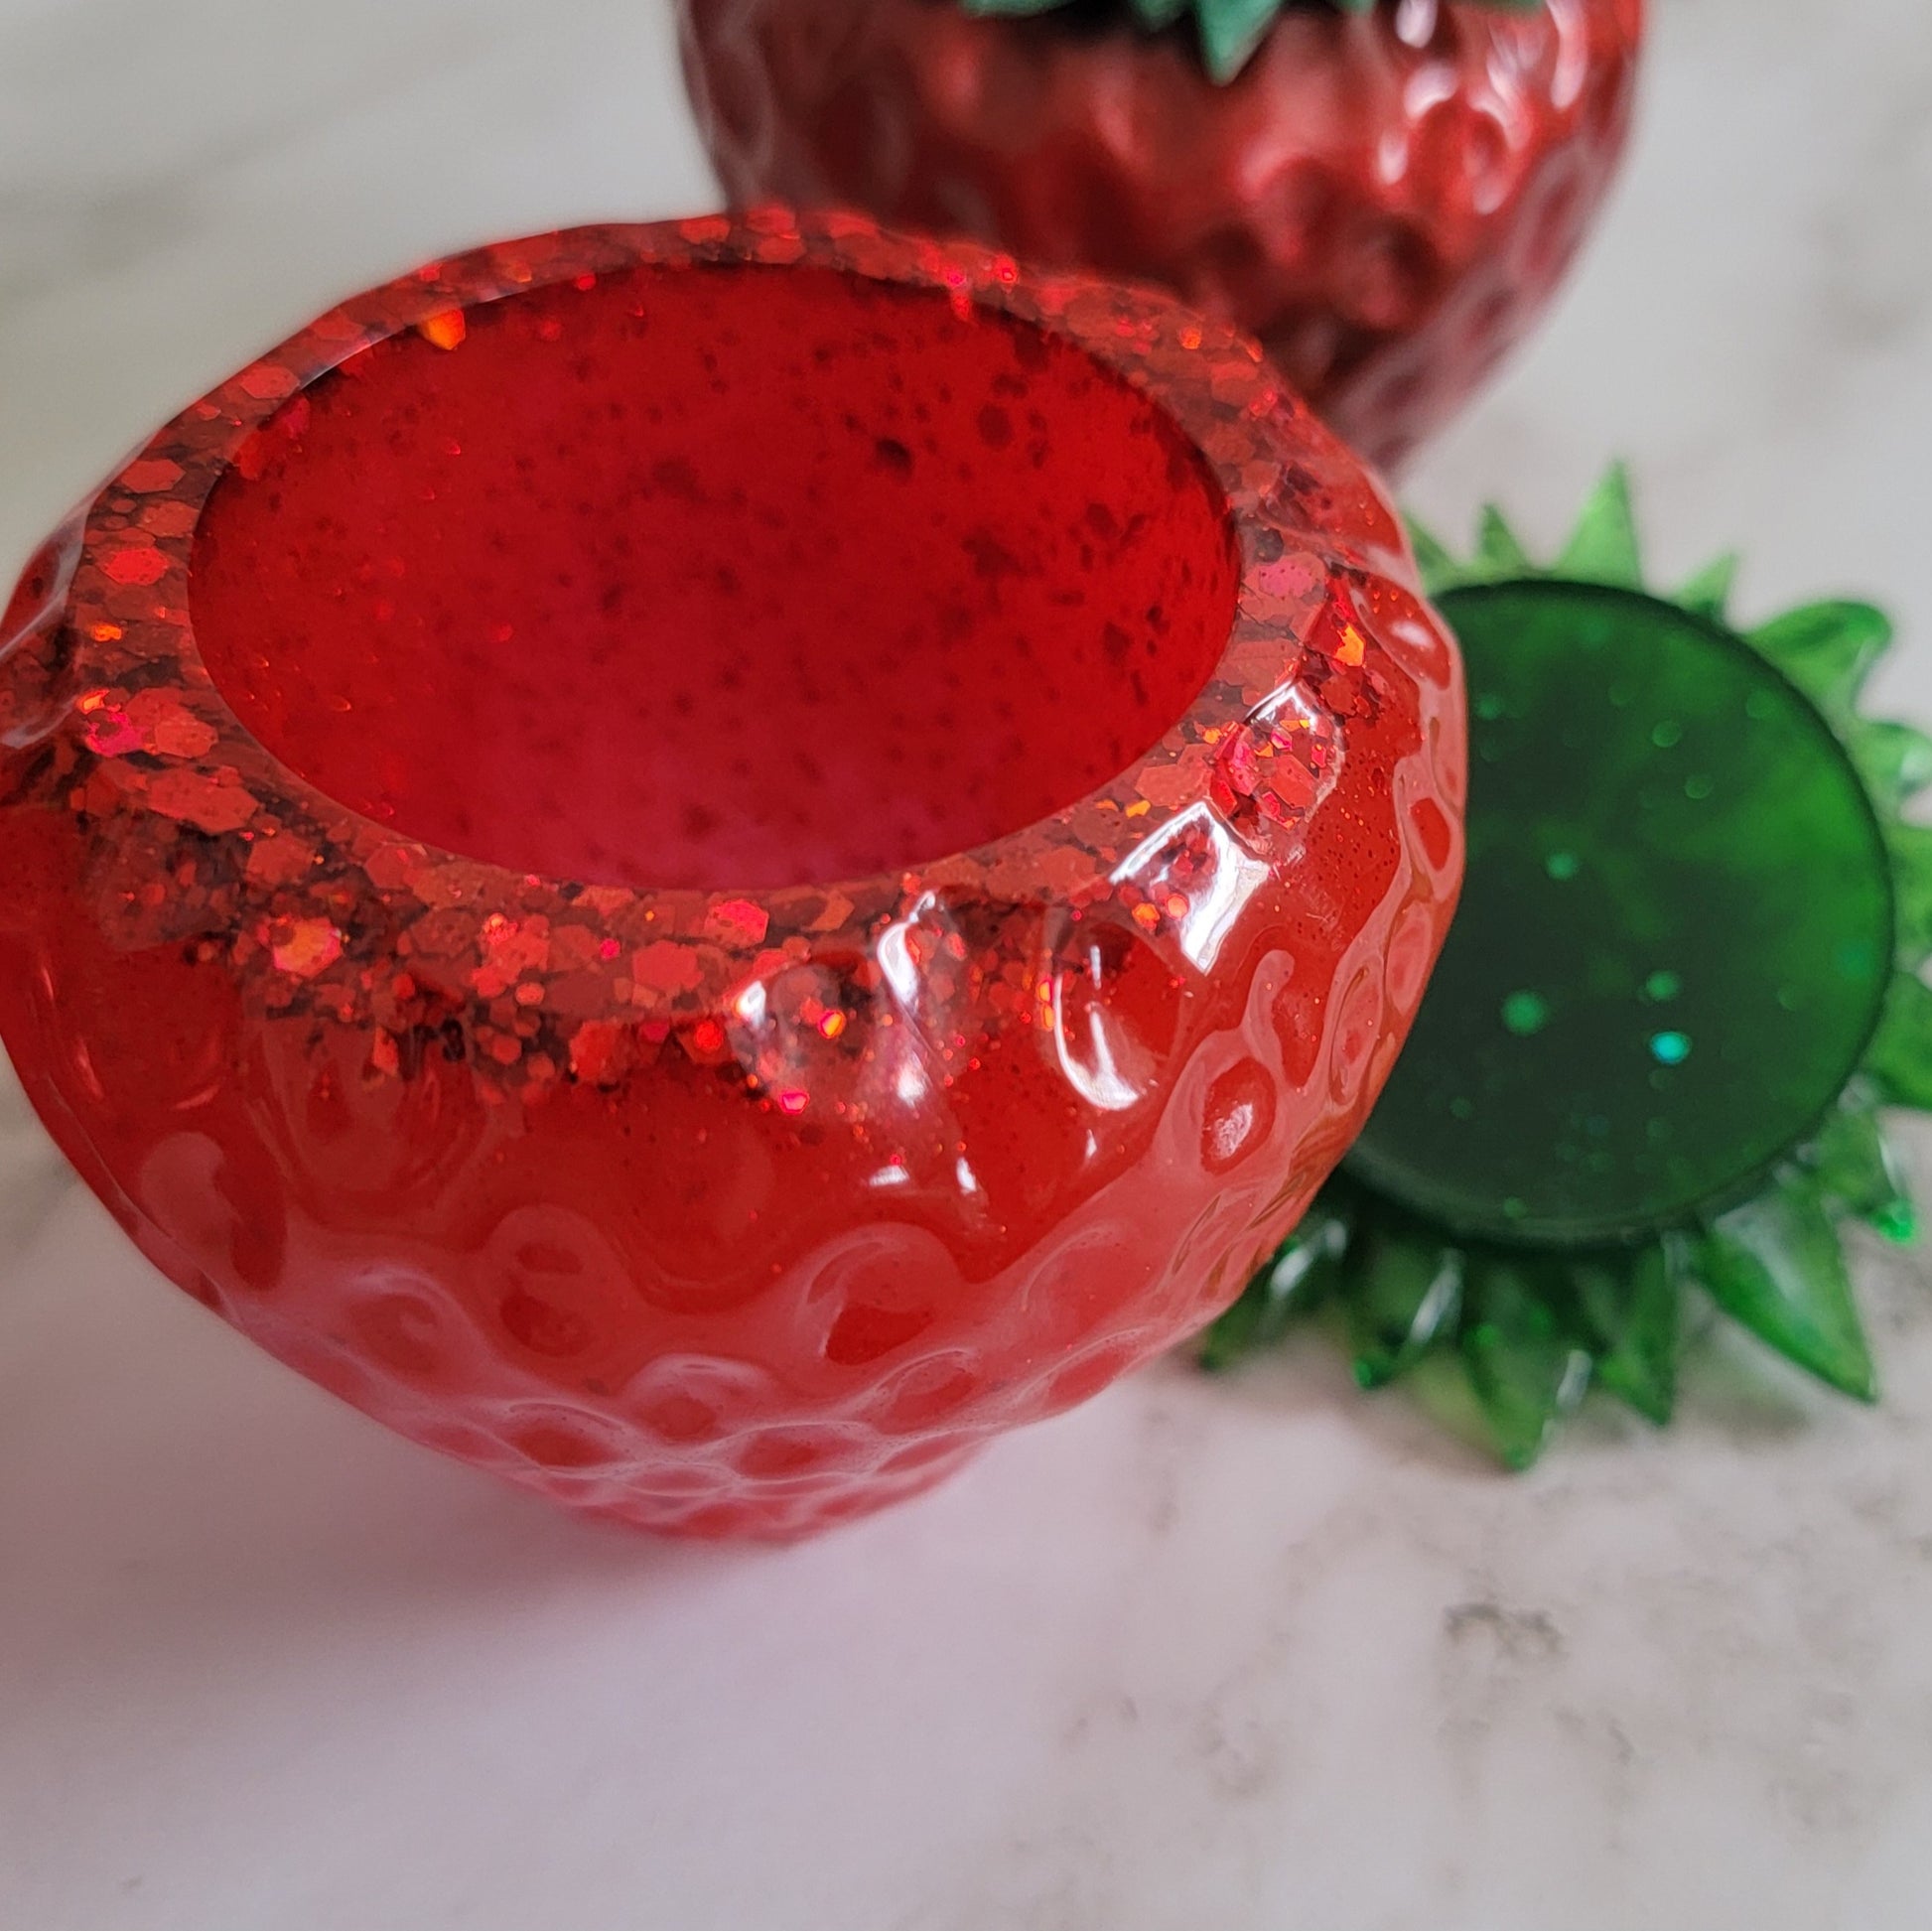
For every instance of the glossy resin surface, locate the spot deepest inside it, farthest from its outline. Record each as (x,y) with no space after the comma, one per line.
(698,863)
(1386,196)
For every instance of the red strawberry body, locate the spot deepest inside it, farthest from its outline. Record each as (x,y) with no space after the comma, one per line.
(701,864)
(1386,199)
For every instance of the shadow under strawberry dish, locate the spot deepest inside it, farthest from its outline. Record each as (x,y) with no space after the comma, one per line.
(700,864)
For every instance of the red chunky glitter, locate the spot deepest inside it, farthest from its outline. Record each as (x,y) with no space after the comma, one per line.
(699,864)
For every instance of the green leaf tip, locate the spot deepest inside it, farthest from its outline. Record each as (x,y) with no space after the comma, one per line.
(1912,883)
(1498,551)
(1404,1287)
(1631,1307)
(1826,648)
(1602,548)
(1900,1059)
(1854,1172)
(1230,31)
(1435,564)
(1776,1265)
(1895,760)
(1708,592)
(1526,1370)
(1298,1278)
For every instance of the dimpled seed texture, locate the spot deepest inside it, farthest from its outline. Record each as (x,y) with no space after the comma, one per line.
(700,864)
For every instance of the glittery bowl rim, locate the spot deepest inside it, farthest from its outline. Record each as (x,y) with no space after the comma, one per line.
(1236,415)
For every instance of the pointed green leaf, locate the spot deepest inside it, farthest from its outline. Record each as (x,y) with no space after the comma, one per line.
(1231,30)
(1900,1061)
(1602,548)
(1403,1289)
(1826,649)
(1776,1265)
(1854,1172)
(1303,1272)
(1895,760)
(1708,594)
(1155,14)
(1912,879)
(1525,1367)
(1498,552)
(1630,1306)
(1436,567)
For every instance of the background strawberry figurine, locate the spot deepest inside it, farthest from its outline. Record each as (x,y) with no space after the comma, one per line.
(1386,195)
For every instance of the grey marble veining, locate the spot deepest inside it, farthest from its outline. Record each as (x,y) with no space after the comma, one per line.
(1257,1655)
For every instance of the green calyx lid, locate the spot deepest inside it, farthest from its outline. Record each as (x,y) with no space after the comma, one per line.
(1682,981)
(1230,29)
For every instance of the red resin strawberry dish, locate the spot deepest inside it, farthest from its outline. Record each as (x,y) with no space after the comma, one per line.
(701,864)
(1387,192)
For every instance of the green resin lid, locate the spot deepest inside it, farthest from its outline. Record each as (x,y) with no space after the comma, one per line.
(1682,980)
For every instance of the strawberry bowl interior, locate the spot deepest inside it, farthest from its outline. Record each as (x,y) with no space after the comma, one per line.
(715,580)
(701,864)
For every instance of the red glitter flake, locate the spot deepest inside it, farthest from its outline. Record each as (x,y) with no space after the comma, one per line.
(510,948)
(141,478)
(594,1050)
(168,728)
(279,860)
(210,801)
(110,732)
(997,1038)
(304,947)
(664,967)
(446,330)
(137,565)
(738,921)
(268,382)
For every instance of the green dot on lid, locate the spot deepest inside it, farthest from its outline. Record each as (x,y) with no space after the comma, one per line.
(1526,1012)
(1665,733)
(1562,866)
(1670,1048)
(1699,786)
(1661,986)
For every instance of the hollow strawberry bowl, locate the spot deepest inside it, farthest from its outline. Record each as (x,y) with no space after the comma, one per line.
(701,864)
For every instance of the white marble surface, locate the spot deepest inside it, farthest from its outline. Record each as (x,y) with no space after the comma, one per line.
(1261,1657)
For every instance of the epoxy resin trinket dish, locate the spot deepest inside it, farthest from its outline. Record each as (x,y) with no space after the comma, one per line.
(699,864)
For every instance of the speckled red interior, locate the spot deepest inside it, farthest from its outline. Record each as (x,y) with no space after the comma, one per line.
(670,579)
